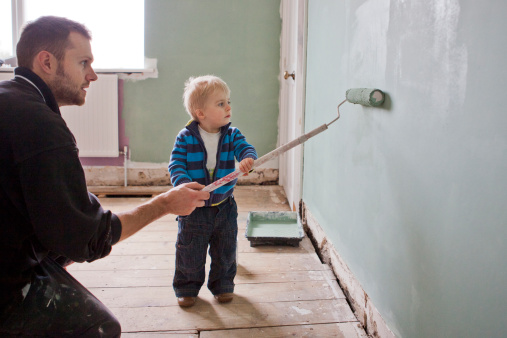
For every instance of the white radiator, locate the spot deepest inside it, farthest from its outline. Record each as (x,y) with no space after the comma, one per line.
(6,76)
(95,124)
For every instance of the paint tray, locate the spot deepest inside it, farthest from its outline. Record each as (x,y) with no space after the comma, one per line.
(274,228)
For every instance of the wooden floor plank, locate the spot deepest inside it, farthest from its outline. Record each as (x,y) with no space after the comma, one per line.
(213,316)
(170,235)
(159,334)
(172,224)
(161,247)
(141,278)
(144,236)
(129,190)
(336,330)
(284,261)
(163,236)
(246,293)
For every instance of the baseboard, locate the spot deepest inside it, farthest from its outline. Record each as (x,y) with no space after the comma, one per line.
(361,304)
(159,176)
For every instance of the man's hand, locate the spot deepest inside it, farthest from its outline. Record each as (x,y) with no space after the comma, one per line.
(183,199)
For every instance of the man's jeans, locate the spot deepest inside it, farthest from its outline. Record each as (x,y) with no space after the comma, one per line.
(214,226)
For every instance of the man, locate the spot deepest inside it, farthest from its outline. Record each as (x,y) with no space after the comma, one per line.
(47,216)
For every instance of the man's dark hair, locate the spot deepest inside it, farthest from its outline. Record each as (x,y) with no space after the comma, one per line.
(49,33)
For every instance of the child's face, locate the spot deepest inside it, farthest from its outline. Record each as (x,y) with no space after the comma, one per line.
(216,112)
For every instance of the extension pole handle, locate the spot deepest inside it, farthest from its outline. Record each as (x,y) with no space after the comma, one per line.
(261,160)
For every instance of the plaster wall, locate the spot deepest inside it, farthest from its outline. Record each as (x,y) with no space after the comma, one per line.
(412,195)
(236,40)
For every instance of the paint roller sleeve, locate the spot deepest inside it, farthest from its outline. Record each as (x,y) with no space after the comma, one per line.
(365,96)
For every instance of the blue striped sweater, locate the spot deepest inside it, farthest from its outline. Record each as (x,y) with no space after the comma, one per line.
(189,157)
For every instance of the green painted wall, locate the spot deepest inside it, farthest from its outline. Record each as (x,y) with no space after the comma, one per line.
(418,204)
(236,40)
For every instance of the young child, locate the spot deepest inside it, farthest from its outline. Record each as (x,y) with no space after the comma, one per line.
(205,151)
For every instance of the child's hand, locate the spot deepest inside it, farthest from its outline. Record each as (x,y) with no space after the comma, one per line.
(246,165)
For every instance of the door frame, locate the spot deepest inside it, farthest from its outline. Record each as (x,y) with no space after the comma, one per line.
(292,96)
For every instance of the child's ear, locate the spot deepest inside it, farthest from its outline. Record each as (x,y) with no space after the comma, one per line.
(200,114)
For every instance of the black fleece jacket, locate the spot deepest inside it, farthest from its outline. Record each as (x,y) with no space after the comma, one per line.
(45,207)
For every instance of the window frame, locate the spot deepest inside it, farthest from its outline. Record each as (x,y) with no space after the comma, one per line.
(17,13)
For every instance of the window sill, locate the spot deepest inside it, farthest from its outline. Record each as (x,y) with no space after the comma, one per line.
(123,74)
(98,70)
(133,74)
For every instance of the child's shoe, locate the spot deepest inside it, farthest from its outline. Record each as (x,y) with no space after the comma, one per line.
(186,301)
(224,297)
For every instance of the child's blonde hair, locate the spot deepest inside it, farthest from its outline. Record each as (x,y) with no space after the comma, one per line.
(197,90)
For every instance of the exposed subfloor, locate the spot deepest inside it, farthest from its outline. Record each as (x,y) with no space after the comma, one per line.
(280,291)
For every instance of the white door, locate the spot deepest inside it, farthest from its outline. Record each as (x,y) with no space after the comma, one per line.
(292,95)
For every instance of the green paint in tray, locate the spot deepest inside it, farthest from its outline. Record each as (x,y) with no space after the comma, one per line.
(274,228)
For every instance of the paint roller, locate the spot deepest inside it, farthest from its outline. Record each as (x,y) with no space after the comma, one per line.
(365,96)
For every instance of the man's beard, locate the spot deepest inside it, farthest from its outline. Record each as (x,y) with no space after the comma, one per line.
(66,93)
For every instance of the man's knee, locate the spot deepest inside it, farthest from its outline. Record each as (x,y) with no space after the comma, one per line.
(109,327)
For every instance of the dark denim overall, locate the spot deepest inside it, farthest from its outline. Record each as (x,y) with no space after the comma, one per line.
(214,226)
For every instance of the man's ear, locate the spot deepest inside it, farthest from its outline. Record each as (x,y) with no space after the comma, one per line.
(45,62)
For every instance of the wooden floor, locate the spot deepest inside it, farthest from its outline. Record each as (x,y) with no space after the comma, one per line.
(280,290)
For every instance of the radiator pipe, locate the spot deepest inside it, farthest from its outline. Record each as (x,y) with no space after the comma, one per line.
(125,157)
